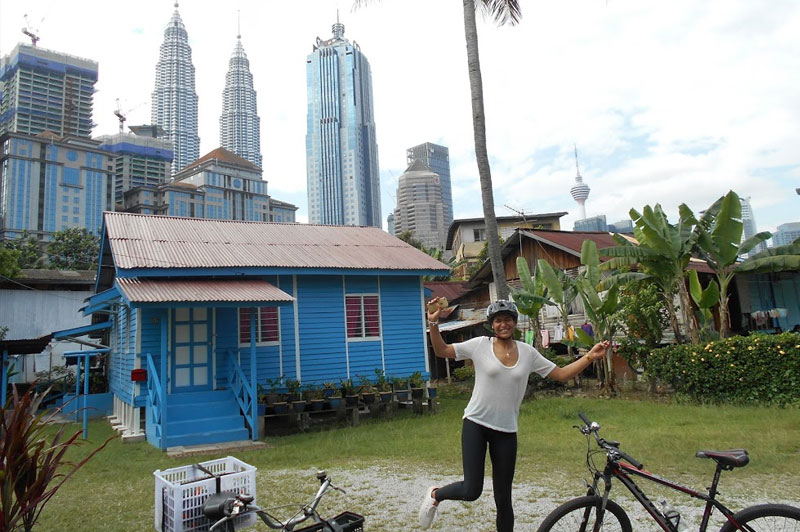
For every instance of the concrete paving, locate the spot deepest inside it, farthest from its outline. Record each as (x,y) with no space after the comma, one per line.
(215,448)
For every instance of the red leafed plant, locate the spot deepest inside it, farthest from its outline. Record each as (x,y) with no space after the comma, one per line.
(32,468)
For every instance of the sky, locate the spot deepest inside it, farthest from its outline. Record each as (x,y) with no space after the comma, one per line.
(667,102)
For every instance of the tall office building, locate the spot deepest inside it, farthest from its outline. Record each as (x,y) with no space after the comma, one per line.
(50,183)
(174,100)
(749,224)
(219,185)
(420,209)
(786,234)
(341,150)
(43,90)
(438,159)
(140,158)
(239,125)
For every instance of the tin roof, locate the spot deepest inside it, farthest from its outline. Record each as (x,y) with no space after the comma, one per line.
(146,241)
(200,291)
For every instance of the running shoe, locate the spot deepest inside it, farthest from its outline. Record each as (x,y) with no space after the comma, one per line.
(427,510)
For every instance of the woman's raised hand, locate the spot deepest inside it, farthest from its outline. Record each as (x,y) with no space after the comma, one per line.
(434,309)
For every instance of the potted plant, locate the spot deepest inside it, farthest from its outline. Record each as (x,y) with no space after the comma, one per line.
(329,389)
(348,391)
(367,390)
(415,381)
(383,385)
(400,386)
(315,397)
(262,400)
(294,395)
(272,395)
(335,399)
(292,390)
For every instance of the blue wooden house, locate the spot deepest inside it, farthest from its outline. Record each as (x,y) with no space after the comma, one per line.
(204,311)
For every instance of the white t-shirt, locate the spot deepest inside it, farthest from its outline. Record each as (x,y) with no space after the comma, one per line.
(499,389)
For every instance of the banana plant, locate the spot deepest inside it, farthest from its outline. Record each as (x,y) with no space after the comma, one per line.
(663,252)
(719,243)
(601,305)
(531,297)
(562,289)
(705,300)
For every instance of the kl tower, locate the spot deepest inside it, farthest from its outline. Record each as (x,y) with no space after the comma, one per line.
(580,190)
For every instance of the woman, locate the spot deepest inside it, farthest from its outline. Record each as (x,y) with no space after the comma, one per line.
(502,366)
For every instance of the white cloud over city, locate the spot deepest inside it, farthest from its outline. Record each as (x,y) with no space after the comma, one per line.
(667,102)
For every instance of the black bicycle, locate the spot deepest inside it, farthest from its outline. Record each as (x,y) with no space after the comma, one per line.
(596,512)
(223,509)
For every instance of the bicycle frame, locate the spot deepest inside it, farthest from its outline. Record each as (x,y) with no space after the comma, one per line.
(623,472)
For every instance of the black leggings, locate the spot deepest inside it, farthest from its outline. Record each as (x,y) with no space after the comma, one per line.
(503,453)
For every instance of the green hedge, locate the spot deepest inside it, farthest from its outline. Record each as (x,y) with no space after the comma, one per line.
(756,369)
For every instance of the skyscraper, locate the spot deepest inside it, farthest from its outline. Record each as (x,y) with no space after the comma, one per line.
(438,159)
(43,90)
(140,158)
(341,151)
(239,125)
(749,224)
(419,205)
(174,100)
(51,183)
(786,234)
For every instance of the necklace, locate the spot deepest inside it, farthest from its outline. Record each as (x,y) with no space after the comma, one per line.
(507,349)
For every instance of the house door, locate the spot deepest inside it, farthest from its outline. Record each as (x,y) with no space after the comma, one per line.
(191,344)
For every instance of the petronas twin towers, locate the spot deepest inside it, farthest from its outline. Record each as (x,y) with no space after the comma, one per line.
(175,104)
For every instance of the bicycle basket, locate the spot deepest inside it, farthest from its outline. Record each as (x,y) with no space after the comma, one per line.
(348,521)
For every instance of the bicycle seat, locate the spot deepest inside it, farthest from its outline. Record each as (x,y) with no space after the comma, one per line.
(246,499)
(730,459)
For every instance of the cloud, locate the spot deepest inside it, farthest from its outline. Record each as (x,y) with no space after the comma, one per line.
(667,102)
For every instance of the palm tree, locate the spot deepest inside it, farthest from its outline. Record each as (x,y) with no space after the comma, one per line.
(503,12)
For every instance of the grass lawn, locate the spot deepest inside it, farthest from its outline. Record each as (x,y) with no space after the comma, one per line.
(114,491)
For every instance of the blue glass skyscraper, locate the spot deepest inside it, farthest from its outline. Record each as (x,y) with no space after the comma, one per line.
(341,151)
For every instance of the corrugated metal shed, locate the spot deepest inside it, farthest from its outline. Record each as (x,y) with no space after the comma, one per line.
(200,291)
(144,241)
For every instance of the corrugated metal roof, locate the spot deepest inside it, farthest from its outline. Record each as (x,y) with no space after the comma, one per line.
(145,241)
(200,291)
(573,240)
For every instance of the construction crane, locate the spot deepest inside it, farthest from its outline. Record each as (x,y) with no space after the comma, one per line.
(121,116)
(30,31)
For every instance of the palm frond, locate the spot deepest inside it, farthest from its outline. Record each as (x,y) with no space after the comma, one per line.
(502,11)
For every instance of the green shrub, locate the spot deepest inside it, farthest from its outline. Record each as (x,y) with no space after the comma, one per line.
(535,382)
(464,373)
(756,369)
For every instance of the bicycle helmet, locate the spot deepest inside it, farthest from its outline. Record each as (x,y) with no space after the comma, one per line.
(501,305)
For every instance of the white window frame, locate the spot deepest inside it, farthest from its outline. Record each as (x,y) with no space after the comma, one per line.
(363,337)
(258,326)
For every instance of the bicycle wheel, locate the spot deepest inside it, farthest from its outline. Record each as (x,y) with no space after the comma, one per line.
(766,518)
(580,515)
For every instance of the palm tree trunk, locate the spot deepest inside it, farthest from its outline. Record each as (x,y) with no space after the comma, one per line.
(481,154)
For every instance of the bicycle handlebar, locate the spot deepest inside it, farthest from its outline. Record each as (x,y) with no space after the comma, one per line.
(613,451)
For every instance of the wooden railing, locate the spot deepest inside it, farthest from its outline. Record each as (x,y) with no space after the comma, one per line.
(158,410)
(244,393)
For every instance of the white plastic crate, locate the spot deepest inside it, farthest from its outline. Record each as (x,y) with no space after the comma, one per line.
(181,492)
